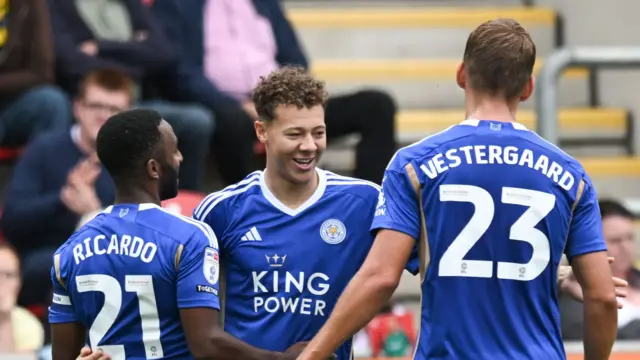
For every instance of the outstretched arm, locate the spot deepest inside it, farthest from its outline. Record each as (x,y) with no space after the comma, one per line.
(586,251)
(366,293)
(398,222)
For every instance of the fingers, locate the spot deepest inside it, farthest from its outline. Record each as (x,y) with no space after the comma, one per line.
(99,355)
(621,293)
(85,351)
(620,282)
(620,305)
(86,354)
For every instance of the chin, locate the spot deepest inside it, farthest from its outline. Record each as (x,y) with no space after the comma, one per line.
(302,178)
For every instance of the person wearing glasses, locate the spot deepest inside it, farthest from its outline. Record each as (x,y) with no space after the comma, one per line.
(59,184)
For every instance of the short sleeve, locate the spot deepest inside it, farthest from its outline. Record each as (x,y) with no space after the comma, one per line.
(199,271)
(585,231)
(413,264)
(397,207)
(61,309)
(212,212)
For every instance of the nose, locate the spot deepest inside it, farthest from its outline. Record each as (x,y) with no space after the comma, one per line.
(308,143)
(179,157)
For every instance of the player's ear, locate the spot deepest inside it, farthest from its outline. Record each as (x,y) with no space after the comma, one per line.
(153,169)
(461,76)
(528,89)
(261,130)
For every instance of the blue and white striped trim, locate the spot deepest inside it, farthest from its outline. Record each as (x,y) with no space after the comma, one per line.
(205,228)
(210,202)
(211,197)
(335,179)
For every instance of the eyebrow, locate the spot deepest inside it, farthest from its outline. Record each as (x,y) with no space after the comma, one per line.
(319,127)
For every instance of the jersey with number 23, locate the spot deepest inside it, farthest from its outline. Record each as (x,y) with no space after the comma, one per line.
(494,207)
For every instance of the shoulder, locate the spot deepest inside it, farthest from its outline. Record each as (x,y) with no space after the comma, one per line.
(178,227)
(554,151)
(73,240)
(48,141)
(427,146)
(231,194)
(350,184)
(364,189)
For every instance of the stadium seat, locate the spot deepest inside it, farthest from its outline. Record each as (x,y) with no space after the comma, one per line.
(404,70)
(425,122)
(184,203)
(417,17)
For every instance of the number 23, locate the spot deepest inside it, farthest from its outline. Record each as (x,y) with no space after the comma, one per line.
(539,205)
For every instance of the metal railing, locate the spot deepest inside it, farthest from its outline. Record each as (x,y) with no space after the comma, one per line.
(546,101)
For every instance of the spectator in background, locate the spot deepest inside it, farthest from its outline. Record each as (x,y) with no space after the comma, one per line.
(391,332)
(29,103)
(226,45)
(617,226)
(20,331)
(121,34)
(58,182)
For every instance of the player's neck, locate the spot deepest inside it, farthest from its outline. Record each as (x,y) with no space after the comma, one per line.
(487,108)
(290,194)
(134,195)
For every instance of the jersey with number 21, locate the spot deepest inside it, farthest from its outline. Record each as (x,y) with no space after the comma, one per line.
(497,208)
(126,274)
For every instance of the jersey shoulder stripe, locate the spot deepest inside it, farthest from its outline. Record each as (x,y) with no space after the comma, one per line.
(339,180)
(215,200)
(201,226)
(254,176)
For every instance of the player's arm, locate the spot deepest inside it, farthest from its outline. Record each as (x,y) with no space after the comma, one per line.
(398,221)
(198,268)
(586,251)
(68,334)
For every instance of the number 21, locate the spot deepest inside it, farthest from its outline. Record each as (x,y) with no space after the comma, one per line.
(539,205)
(142,285)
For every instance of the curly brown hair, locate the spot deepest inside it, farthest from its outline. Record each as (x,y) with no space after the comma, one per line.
(289,85)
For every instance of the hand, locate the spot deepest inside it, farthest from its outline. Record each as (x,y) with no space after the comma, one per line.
(568,283)
(85,172)
(80,198)
(250,108)
(295,350)
(85,354)
(89,47)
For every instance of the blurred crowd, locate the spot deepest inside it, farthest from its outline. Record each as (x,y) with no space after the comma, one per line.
(68,65)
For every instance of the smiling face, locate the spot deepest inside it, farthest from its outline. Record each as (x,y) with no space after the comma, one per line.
(294,140)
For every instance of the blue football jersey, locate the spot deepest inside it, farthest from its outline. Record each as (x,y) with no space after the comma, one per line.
(497,208)
(126,274)
(286,268)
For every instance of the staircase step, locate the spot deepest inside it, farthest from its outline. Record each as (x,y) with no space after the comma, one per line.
(413,125)
(340,4)
(417,17)
(404,69)
(329,33)
(427,83)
